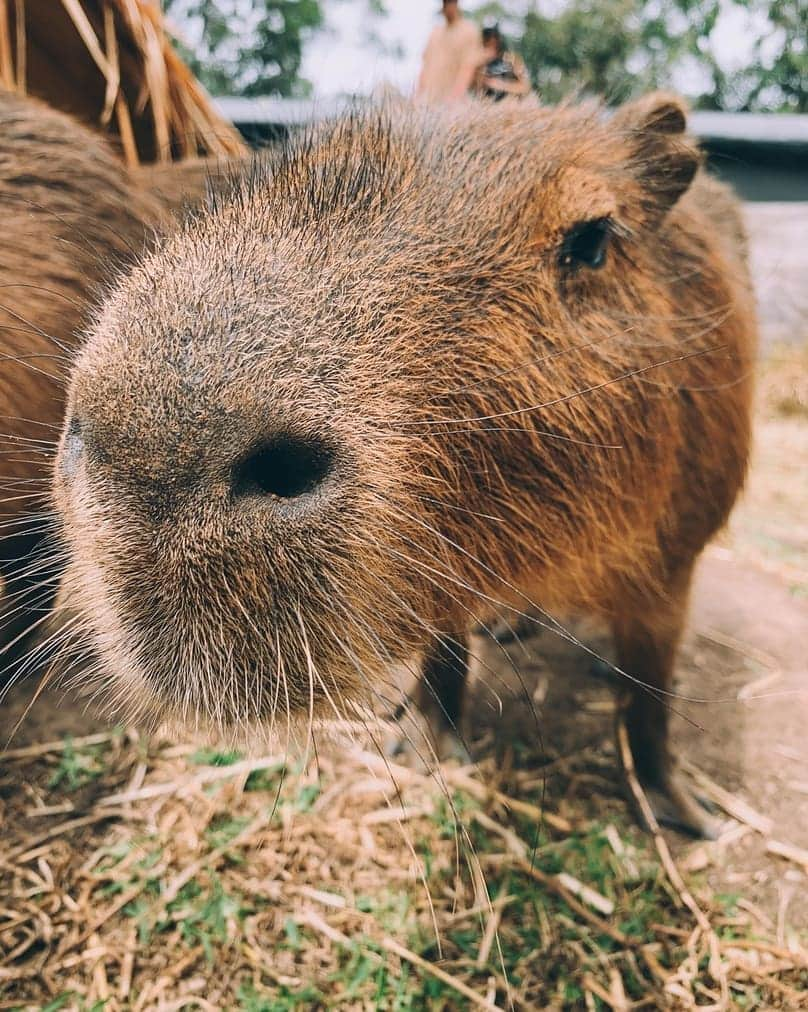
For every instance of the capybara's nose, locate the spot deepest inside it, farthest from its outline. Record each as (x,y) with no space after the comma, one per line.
(283,467)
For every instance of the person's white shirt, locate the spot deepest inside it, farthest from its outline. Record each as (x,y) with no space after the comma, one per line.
(447,55)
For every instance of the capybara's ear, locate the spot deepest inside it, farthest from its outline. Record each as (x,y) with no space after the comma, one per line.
(664,158)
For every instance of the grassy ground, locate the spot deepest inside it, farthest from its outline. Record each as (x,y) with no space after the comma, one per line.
(149,877)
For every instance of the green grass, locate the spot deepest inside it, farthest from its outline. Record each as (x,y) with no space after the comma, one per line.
(72,1000)
(284,1000)
(546,949)
(207,923)
(77,766)
(214,757)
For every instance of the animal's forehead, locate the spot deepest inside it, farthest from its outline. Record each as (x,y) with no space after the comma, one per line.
(423,164)
(390,214)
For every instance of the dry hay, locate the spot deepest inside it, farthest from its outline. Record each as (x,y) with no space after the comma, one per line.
(147,876)
(111,64)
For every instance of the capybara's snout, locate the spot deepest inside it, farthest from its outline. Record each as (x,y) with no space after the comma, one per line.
(284,471)
(211,557)
(225,485)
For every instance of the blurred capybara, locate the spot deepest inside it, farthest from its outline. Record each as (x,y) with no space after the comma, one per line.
(72,217)
(419,366)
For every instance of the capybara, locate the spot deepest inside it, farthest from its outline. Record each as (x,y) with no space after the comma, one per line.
(72,217)
(419,366)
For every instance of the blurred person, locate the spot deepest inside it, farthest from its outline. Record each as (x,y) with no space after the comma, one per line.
(451,49)
(499,73)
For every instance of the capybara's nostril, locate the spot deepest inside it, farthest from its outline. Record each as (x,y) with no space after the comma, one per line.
(285,466)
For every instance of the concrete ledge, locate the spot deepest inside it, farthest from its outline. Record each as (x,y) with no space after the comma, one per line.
(769,128)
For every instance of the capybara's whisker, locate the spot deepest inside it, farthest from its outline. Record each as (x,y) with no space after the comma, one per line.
(473,616)
(56,293)
(109,244)
(24,580)
(40,496)
(32,528)
(460,509)
(28,522)
(543,434)
(24,664)
(27,359)
(566,634)
(429,762)
(477,622)
(631,374)
(33,421)
(28,325)
(17,440)
(27,662)
(532,362)
(550,623)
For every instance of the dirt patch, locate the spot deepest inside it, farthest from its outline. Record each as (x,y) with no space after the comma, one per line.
(779,260)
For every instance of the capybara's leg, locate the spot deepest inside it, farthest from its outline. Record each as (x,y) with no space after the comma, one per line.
(439,704)
(443,683)
(646,642)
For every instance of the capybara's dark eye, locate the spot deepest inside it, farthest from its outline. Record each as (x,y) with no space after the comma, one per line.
(285,467)
(586,243)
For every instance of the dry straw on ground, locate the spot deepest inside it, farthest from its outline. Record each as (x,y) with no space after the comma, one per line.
(140,876)
(111,63)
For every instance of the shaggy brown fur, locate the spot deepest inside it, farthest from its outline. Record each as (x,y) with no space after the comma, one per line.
(72,217)
(377,394)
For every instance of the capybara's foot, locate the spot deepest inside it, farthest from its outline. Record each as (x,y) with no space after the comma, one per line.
(674,804)
(643,748)
(422,740)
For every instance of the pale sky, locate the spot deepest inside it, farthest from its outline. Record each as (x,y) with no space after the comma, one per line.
(340,60)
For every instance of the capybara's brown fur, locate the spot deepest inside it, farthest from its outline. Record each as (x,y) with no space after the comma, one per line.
(420,366)
(72,218)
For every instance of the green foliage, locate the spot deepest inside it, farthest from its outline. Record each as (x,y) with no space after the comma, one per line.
(58,1002)
(285,1000)
(69,999)
(224,829)
(213,757)
(265,779)
(77,767)
(307,796)
(621,48)
(246,47)
(588,46)
(781,80)
(206,924)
